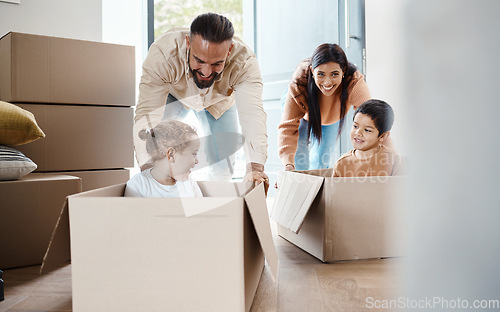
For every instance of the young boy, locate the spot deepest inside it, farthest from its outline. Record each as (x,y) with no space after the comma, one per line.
(372,122)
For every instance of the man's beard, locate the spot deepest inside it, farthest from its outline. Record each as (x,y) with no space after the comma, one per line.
(203,84)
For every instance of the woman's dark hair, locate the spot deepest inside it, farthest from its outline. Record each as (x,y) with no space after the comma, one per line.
(380,112)
(212,27)
(323,54)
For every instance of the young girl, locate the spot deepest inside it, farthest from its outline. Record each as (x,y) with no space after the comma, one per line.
(173,147)
(372,122)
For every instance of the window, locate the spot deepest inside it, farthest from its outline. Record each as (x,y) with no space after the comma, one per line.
(170,14)
(180,13)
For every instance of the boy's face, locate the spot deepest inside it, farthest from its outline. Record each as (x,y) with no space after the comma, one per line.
(184,161)
(364,134)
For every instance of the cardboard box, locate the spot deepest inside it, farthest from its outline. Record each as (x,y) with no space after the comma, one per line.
(341,218)
(1,286)
(30,208)
(42,69)
(94,179)
(145,254)
(81,137)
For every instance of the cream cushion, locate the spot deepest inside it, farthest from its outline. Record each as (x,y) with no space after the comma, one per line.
(13,164)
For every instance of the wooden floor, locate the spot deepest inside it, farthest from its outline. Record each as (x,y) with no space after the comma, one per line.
(304,284)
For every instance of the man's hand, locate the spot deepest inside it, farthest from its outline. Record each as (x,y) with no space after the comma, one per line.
(255,172)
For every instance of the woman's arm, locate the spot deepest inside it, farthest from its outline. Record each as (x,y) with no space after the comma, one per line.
(294,109)
(358,90)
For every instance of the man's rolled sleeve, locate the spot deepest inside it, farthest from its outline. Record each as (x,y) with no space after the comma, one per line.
(153,92)
(248,97)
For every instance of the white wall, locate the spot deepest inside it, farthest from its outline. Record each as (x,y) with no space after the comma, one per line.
(385,69)
(59,18)
(436,63)
(124,22)
(452,59)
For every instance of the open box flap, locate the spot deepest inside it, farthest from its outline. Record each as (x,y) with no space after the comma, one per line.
(295,195)
(256,203)
(59,250)
(225,189)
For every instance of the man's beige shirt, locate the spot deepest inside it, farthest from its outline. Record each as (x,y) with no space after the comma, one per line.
(166,70)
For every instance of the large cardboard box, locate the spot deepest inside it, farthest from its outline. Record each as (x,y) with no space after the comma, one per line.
(337,219)
(30,208)
(42,69)
(165,254)
(94,179)
(81,137)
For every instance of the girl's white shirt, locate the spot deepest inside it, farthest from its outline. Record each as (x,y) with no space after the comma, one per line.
(144,185)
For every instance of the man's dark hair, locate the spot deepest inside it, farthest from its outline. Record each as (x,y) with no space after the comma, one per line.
(212,27)
(380,112)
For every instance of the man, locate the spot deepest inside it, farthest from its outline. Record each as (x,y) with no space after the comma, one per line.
(208,71)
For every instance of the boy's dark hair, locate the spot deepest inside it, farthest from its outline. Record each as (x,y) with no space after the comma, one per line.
(212,27)
(380,112)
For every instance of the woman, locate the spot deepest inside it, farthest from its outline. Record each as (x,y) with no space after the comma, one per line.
(321,92)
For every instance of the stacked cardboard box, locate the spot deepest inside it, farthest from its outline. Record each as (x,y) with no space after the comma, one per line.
(29,211)
(81,94)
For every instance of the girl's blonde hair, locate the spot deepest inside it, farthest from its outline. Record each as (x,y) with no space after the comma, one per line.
(168,133)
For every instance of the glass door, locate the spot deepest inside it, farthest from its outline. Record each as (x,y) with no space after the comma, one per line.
(352,40)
